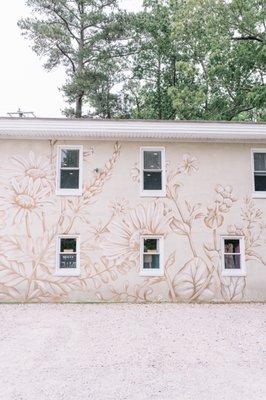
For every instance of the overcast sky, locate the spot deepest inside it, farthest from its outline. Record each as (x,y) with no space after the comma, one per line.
(23,81)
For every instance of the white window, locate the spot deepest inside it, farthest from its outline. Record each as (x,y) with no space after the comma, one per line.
(259,172)
(233,256)
(152,178)
(151,256)
(69,170)
(67,255)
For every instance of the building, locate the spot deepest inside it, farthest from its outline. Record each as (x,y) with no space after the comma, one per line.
(137,211)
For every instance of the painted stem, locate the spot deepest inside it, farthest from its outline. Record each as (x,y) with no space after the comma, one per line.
(27,226)
(184,221)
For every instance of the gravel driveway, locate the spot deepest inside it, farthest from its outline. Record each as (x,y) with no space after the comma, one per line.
(135,352)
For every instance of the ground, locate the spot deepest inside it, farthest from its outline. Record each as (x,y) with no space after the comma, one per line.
(133,352)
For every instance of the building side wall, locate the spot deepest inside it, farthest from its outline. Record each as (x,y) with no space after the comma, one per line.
(209,194)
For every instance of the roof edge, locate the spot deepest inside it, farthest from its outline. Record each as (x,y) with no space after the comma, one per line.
(159,121)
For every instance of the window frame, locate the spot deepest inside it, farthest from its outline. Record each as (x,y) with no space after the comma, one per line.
(69,192)
(234,272)
(152,193)
(67,271)
(259,194)
(152,272)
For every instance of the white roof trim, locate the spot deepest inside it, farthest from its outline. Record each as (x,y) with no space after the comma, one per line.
(69,129)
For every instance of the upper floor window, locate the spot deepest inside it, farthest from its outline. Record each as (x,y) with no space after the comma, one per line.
(69,170)
(233,253)
(67,255)
(151,257)
(152,171)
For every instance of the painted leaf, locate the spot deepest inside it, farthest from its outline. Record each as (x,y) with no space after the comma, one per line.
(193,281)
(233,288)
(180,227)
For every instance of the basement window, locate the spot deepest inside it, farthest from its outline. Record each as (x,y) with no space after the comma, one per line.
(67,256)
(233,253)
(151,256)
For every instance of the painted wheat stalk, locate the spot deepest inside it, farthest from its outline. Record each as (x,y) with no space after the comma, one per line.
(96,186)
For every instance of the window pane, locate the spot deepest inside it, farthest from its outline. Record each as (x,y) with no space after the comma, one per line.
(231,246)
(69,158)
(260,181)
(150,245)
(260,161)
(68,245)
(69,179)
(152,181)
(151,261)
(232,261)
(68,261)
(152,160)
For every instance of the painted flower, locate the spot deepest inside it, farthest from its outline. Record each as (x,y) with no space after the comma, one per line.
(119,206)
(123,241)
(214,219)
(36,168)
(226,192)
(235,230)
(26,198)
(189,164)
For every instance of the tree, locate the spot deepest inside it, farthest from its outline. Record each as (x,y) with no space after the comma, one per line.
(78,34)
(199,59)
(176,59)
(153,62)
(221,74)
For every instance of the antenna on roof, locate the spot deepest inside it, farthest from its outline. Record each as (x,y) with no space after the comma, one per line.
(21,114)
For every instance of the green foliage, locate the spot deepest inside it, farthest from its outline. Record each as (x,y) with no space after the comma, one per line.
(80,35)
(176,59)
(225,44)
(153,64)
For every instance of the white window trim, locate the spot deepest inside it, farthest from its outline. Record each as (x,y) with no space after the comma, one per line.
(255,193)
(234,272)
(65,271)
(69,192)
(152,272)
(152,193)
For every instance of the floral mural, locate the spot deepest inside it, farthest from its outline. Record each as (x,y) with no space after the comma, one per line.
(110,227)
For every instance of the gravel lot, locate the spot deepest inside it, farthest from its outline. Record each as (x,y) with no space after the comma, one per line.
(136,352)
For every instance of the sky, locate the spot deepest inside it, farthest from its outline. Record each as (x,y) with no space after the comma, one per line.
(24,83)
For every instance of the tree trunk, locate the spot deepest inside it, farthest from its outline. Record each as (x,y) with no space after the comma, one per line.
(79,103)
(108,108)
(174,70)
(159,94)
(80,68)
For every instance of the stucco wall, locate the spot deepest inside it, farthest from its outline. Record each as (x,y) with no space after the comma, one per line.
(209,189)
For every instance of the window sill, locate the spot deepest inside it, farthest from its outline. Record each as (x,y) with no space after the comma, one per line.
(63,192)
(152,193)
(67,273)
(259,195)
(235,274)
(151,273)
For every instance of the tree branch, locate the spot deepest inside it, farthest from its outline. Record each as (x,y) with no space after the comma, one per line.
(67,56)
(250,37)
(239,111)
(65,23)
